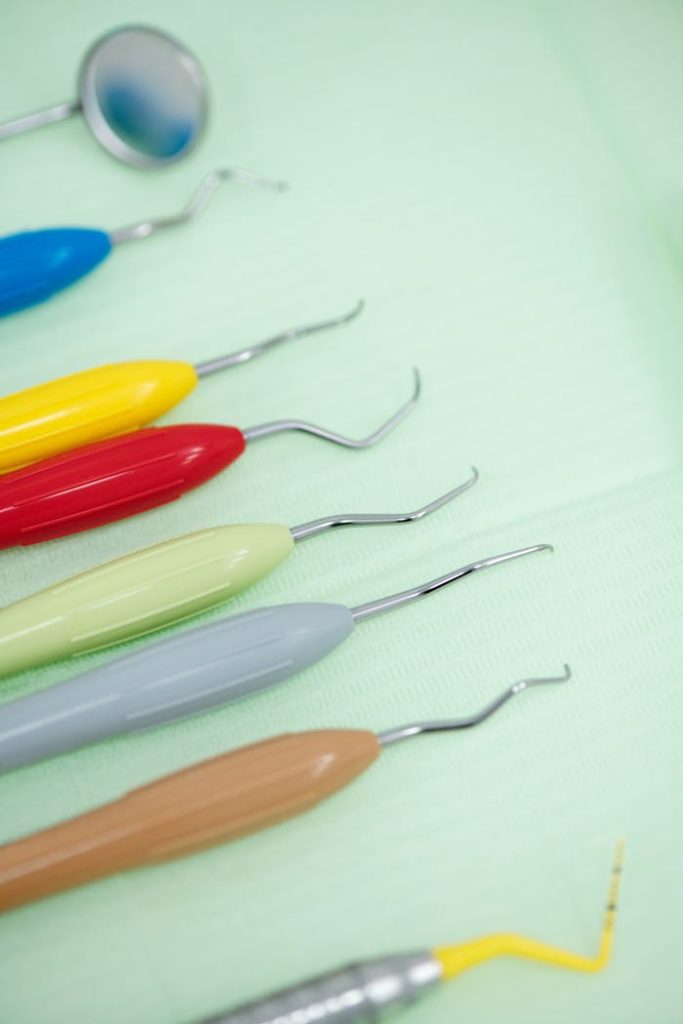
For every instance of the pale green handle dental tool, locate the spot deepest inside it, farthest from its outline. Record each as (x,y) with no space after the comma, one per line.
(160,585)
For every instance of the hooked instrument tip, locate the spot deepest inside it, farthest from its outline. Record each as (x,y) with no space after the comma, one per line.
(197,203)
(456,959)
(356,311)
(451,724)
(525,684)
(244,355)
(278,426)
(418,384)
(385,604)
(315,526)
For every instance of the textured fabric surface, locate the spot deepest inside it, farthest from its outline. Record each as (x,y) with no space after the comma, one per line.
(503,182)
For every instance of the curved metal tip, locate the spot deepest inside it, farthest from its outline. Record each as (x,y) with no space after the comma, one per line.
(277,426)
(334,321)
(525,684)
(197,204)
(316,526)
(392,422)
(444,499)
(244,355)
(386,604)
(452,724)
(242,176)
(521,551)
(356,311)
(434,505)
(418,384)
(508,556)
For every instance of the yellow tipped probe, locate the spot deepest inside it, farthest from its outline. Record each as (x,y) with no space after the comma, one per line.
(455,959)
(361,992)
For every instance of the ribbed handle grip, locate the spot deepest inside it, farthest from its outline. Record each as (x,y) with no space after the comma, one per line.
(212,802)
(193,671)
(72,411)
(34,265)
(356,994)
(139,593)
(111,480)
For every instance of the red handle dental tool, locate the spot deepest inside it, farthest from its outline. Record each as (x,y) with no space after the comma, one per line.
(110,480)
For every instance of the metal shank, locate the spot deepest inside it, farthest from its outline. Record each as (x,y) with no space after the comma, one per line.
(38,118)
(386,604)
(316,526)
(278,426)
(196,205)
(406,732)
(210,366)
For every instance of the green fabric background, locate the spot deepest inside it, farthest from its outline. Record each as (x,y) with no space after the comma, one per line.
(503,182)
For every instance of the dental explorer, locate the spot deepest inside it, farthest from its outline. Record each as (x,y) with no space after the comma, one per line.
(123,476)
(214,801)
(35,265)
(194,671)
(159,585)
(53,418)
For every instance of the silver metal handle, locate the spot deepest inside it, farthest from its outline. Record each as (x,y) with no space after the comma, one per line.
(353,995)
(38,118)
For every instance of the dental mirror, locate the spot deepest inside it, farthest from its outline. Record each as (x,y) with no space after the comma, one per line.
(142,94)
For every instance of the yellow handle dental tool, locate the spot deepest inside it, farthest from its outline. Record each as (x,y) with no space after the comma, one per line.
(109,400)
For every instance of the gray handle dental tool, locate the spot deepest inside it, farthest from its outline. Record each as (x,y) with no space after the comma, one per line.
(194,671)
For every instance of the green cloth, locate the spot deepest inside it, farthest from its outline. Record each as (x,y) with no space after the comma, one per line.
(503,182)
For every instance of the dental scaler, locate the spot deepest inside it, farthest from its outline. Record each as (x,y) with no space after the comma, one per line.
(362,992)
(52,418)
(194,671)
(35,265)
(109,480)
(215,801)
(159,585)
